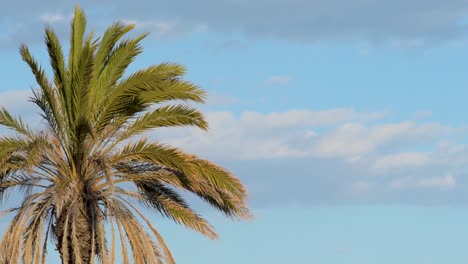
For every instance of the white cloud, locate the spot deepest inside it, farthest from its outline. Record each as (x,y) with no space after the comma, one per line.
(18,104)
(160,27)
(445,182)
(55,18)
(380,156)
(315,134)
(422,115)
(254,135)
(15,98)
(311,134)
(353,139)
(406,159)
(362,186)
(451,153)
(279,79)
(399,183)
(164,28)
(221,99)
(228,141)
(306,118)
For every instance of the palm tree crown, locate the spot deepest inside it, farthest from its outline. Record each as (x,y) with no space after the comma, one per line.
(84,174)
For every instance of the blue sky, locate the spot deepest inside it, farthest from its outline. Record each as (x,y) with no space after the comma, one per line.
(346,121)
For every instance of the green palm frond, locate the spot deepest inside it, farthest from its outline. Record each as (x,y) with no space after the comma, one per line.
(156,84)
(166,116)
(171,205)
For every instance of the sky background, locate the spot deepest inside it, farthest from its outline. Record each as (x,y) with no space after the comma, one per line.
(346,120)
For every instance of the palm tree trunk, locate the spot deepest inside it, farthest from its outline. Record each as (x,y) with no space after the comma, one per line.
(81,246)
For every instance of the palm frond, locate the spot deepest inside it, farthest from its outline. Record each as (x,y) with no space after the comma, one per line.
(155,84)
(57,62)
(166,116)
(171,205)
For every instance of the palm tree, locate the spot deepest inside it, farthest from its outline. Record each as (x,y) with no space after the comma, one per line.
(88,173)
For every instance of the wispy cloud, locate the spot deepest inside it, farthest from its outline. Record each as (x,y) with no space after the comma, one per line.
(279,79)
(362,186)
(367,156)
(353,139)
(446,182)
(221,99)
(159,27)
(399,160)
(56,18)
(422,115)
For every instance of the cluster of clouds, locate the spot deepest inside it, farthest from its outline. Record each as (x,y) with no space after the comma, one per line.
(356,153)
(331,155)
(398,22)
(333,133)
